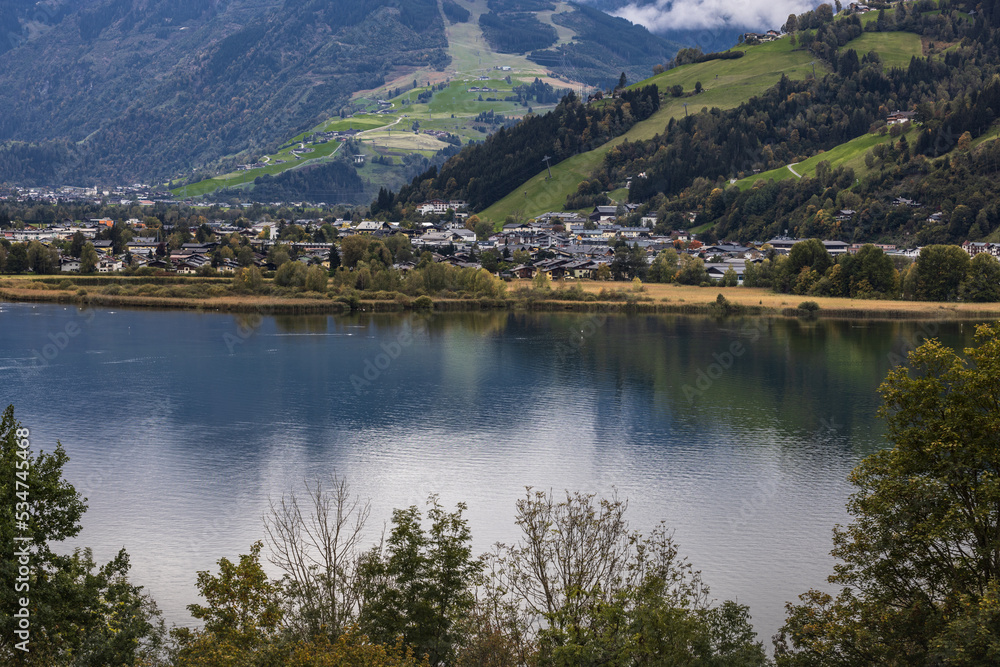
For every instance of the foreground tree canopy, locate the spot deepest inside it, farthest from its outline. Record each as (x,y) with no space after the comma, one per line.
(920,563)
(76,613)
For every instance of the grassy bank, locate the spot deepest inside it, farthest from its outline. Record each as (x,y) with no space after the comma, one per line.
(576,296)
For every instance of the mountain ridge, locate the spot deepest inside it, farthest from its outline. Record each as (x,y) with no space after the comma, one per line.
(128,90)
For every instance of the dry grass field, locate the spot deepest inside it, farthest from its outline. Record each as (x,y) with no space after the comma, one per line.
(744,296)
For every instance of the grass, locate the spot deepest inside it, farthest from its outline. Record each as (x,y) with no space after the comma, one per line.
(895,48)
(727,84)
(207,294)
(777,303)
(849,154)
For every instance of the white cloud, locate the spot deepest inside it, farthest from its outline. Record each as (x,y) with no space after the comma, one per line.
(708,14)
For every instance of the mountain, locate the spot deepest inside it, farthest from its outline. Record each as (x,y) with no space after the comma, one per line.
(604,43)
(145,90)
(711,25)
(892,137)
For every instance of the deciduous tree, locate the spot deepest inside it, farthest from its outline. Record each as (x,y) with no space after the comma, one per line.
(920,562)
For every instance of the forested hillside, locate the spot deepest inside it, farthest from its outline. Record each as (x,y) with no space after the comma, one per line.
(929,179)
(130,90)
(955,97)
(483,173)
(604,41)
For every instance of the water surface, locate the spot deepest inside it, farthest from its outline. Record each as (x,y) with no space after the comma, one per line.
(738,433)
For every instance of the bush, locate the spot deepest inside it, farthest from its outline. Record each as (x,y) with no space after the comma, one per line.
(423,303)
(808,306)
(291,274)
(315,280)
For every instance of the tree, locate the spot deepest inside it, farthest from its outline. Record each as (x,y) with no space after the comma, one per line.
(691,270)
(483,229)
(352,249)
(334,258)
(811,253)
(76,244)
(88,259)
(982,282)
(17,258)
(78,613)
(940,271)
(241,615)
(248,279)
(418,585)
(592,591)
(664,267)
(314,541)
(291,274)
(42,259)
(920,561)
(244,257)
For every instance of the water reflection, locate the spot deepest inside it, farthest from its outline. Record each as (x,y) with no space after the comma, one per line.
(178,435)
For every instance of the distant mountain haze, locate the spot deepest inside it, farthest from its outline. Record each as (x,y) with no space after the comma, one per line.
(142,89)
(146,90)
(711,24)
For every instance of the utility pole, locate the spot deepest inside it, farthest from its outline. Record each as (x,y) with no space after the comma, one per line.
(546,161)
(685,109)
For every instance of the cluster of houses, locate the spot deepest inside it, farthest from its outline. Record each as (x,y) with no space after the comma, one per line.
(126,195)
(560,244)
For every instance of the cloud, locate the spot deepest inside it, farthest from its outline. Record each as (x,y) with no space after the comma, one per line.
(666,15)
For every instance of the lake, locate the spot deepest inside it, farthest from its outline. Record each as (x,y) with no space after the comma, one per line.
(180,426)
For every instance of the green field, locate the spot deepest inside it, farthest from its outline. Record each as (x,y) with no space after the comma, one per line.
(727,84)
(895,48)
(451,109)
(849,154)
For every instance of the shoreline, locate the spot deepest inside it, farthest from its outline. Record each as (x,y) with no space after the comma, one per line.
(686,300)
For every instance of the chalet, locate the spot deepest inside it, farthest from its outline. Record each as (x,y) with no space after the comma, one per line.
(844,215)
(836,247)
(142,246)
(434,206)
(199,248)
(783,245)
(752,37)
(372,226)
(974,248)
(607,213)
(68,264)
(725,249)
(897,117)
(903,201)
(525,271)
(109,265)
(717,271)
(105,247)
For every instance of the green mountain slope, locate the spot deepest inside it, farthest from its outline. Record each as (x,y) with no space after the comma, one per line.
(726,84)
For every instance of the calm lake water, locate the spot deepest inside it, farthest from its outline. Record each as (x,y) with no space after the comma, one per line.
(738,433)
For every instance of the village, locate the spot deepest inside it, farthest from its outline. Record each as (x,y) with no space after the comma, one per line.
(559,244)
